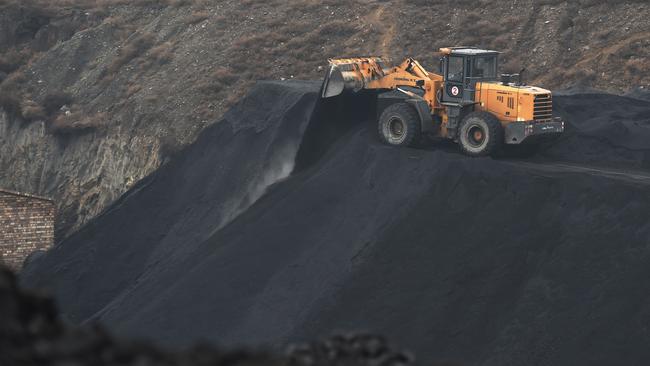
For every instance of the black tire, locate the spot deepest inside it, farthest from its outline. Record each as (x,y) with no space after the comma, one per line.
(480,134)
(399,125)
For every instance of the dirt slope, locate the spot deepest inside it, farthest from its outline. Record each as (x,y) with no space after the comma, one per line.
(141,78)
(476,261)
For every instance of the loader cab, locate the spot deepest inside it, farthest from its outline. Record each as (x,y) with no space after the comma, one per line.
(462,68)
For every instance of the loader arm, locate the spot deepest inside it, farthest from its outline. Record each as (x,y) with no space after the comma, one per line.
(368,73)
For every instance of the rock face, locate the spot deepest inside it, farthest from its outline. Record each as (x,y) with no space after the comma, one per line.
(143,78)
(54,167)
(477,261)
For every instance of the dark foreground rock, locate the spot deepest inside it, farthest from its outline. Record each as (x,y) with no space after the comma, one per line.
(32,334)
(282,224)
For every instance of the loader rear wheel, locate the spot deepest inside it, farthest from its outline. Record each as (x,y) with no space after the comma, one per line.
(399,125)
(480,134)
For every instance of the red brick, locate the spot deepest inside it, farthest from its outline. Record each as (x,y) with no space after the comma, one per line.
(26,225)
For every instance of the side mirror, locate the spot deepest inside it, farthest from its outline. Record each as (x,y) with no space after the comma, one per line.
(442,65)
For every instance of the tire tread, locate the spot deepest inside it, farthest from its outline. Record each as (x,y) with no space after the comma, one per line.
(495,133)
(411,118)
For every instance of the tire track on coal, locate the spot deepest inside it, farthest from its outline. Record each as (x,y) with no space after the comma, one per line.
(637,177)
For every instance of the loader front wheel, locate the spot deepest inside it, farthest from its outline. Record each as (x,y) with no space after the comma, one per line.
(399,125)
(480,134)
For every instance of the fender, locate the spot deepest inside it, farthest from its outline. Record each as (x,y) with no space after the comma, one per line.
(426,120)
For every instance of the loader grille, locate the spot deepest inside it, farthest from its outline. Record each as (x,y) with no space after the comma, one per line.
(543,108)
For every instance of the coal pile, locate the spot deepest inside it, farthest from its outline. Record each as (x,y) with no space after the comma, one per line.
(605,130)
(289,220)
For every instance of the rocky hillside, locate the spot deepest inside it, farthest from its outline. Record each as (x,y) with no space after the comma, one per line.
(95,95)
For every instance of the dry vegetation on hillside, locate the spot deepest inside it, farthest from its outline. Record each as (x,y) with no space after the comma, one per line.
(290,40)
(22,52)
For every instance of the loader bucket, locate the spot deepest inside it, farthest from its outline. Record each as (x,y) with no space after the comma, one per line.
(333,84)
(350,74)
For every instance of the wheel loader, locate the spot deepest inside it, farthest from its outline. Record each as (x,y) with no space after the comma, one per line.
(465,102)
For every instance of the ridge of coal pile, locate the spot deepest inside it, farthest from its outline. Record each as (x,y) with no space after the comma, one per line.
(32,334)
(475,261)
(604,129)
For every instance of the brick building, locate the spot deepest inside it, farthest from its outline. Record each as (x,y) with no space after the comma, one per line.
(26,225)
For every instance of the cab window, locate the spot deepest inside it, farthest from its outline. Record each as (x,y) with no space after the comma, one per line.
(455,69)
(484,67)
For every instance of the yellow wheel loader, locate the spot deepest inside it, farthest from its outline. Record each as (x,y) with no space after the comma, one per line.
(466,102)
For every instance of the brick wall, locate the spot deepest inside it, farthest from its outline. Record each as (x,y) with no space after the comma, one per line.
(26,225)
